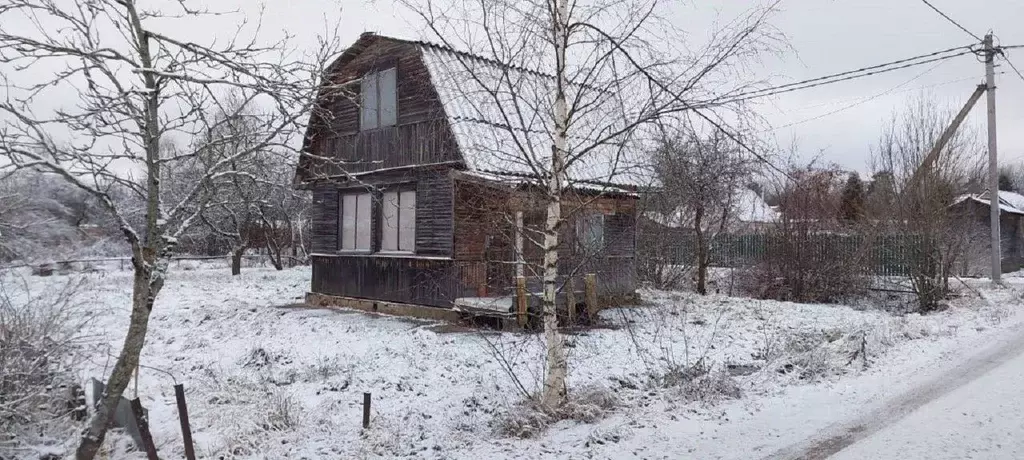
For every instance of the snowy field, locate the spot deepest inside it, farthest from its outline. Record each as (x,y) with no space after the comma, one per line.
(678,377)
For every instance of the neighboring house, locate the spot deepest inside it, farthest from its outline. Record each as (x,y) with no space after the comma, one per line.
(749,214)
(975,210)
(420,198)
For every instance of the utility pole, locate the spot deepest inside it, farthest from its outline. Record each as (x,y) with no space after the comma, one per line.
(993,164)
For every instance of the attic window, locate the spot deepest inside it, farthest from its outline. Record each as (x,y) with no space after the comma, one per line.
(378,99)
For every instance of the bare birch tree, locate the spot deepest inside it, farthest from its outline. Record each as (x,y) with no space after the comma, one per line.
(132,83)
(576,85)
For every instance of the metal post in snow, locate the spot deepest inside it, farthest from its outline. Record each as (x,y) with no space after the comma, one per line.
(186,428)
(366,410)
(143,425)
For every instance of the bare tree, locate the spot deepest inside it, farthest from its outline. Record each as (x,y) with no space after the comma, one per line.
(923,195)
(576,86)
(256,206)
(700,178)
(43,219)
(238,202)
(1011,177)
(134,84)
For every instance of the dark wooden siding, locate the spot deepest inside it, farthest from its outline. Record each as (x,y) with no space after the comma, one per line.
(483,256)
(421,136)
(434,225)
(433,282)
(434,206)
(325,220)
(484,223)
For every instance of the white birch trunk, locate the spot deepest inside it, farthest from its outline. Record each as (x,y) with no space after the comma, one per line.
(554,394)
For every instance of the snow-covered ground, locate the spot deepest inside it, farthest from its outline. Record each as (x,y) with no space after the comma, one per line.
(265,380)
(982,419)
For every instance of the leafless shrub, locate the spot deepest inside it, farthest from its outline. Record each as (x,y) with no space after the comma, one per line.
(809,255)
(40,336)
(282,412)
(700,382)
(530,418)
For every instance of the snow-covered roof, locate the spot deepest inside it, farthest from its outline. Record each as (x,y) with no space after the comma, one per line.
(1008,201)
(748,208)
(503,121)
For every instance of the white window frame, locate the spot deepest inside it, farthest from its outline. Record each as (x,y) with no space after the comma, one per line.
(355,222)
(378,99)
(398,221)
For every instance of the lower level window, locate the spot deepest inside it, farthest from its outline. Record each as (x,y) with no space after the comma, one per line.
(398,223)
(590,234)
(355,221)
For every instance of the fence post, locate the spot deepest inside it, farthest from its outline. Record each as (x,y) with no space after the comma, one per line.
(366,410)
(186,429)
(570,299)
(590,288)
(521,304)
(143,425)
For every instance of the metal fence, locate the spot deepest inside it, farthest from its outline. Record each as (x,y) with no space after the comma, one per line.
(125,263)
(889,255)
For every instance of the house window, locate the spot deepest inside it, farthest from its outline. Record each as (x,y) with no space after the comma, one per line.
(590,233)
(398,221)
(355,221)
(378,99)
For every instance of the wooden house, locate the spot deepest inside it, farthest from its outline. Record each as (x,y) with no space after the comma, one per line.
(422,199)
(972,212)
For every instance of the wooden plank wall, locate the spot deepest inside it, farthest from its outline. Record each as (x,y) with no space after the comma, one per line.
(434,209)
(324,237)
(421,136)
(434,213)
(433,282)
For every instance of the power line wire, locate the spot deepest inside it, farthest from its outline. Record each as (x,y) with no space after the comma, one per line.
(1008,61)
(851,72)
(861,101)
(830,79)
(926,2)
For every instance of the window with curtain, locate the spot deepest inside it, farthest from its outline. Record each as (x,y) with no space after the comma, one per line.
(378,99)
(355,216)
(398,221)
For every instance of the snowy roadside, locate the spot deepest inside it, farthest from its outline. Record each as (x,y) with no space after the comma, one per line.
(270,382)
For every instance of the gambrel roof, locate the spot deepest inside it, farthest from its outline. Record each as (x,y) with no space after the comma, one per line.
(501,118)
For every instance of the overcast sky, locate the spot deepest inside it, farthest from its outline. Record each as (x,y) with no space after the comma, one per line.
(840,121)
(827,36)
